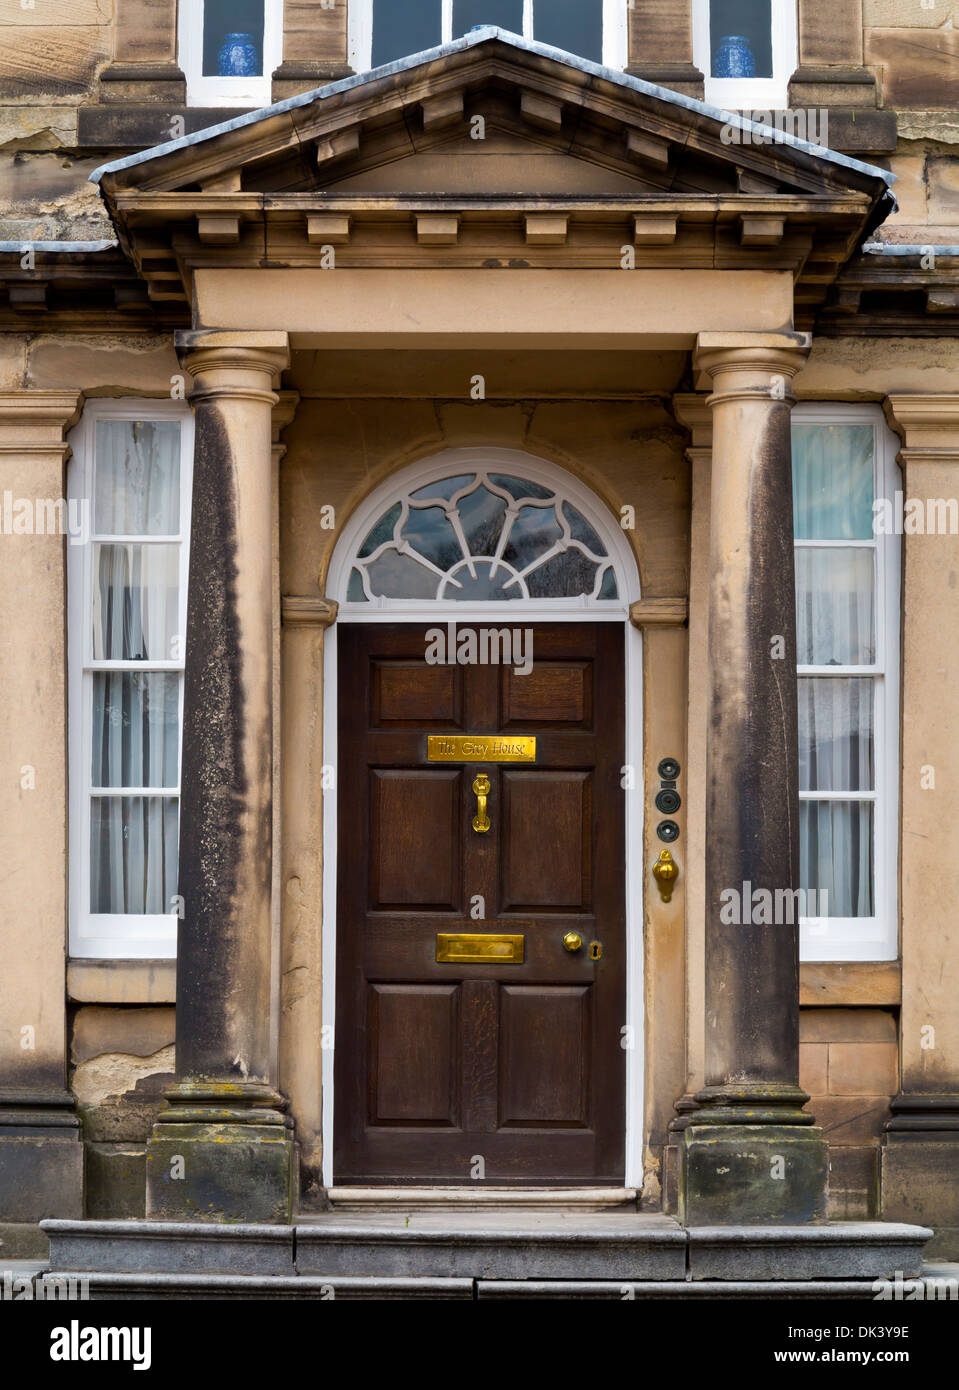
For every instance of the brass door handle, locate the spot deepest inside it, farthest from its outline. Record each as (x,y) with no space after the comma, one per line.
(572,941)
(481,787)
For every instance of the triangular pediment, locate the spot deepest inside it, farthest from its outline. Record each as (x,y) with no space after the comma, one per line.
(492,127)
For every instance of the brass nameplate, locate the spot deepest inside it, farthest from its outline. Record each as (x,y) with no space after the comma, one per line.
(470,948)
(479,748)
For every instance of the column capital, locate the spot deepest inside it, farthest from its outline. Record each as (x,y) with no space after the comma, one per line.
(239,365)
(927,425)
(741,364)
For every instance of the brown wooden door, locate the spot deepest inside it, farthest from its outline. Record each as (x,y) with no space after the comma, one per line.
(437,1064)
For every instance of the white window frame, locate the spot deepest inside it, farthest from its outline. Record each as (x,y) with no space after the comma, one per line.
(227,91)
(873,938)
(112,935)
(360,31)
(757,94)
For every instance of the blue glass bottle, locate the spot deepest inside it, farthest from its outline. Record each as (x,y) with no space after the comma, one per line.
(238,57)
(734,57)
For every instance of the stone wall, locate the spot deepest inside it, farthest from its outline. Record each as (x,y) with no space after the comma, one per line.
(849,1064)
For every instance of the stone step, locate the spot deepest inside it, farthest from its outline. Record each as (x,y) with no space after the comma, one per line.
(621,1247)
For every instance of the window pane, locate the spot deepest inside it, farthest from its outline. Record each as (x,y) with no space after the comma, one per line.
(137,478)
(505,14)
(136,603)
(836,857)
(833,482)
(136,728)
(232,38)
(740,38)
(573,25)
(133,853)
(835,623)
(401,28)
(836,752)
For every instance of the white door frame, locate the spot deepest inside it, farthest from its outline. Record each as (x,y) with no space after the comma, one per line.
(445,464)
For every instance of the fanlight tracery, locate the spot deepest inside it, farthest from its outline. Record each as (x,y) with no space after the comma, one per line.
(478,537)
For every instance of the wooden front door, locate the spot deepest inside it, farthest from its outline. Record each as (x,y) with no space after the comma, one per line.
(450,1071)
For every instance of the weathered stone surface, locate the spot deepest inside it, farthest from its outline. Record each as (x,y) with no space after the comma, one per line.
(830,33)
(905,14)
(145,31)
(228,1173)
(138,1246)
(499,1245)
(853,1182)
(37,127)
(314,32)
(752,1174)
(854,1250)
(140,1032)
(846,1025)
(40,1175)
(116,1181)
(920,67)
(120,1095)
(920,1181)
(50,61)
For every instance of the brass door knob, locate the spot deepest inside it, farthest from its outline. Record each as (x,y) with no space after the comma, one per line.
(573,941)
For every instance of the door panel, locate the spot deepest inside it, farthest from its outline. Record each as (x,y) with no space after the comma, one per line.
(546,808)
(438,1064)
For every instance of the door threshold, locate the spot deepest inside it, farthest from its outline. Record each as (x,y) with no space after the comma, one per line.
(397,1198)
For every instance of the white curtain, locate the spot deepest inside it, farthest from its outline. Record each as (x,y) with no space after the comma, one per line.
(135,714)
(833,486)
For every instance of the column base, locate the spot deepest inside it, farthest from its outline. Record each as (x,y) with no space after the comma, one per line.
(41,1157)
(748,1175)
(920,1168)
(751,1156)
(221,1152)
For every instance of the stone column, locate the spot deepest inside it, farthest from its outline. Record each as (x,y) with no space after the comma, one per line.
(749,1153)
(41,1157)
(223,1149)
(920,1155)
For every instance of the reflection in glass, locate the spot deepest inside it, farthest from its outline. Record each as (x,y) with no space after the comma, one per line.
(482,514)
(486,587)
(833,482)
(534,531)
(564,576)
(504,14)
(398,576)
(575,26)
(429,531)
(835,607)
(452,524)
(400,28)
